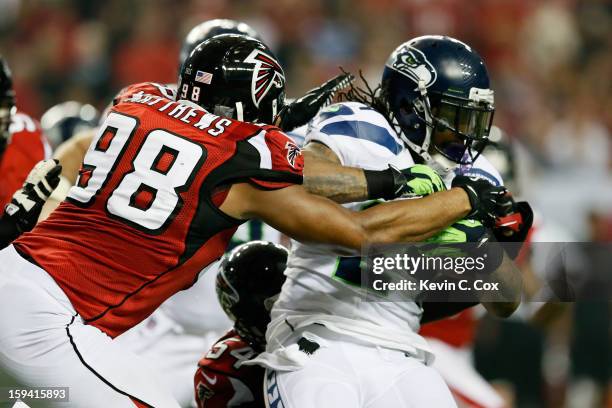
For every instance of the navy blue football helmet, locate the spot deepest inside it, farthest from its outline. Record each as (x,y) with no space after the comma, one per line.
(437,93)
(209,29)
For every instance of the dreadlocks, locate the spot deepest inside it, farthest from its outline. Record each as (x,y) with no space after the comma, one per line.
(368,96)
(377,100)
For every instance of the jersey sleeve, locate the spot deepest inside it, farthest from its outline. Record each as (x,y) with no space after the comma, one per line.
(356,133)
(212,389)
(281,160)
(151,88)
(219,382)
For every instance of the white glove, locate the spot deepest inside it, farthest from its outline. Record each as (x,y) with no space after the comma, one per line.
(27,202)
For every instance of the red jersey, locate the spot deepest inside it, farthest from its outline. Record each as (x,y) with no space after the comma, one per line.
(458,330)
(142,219)
(27,147)
(221,381)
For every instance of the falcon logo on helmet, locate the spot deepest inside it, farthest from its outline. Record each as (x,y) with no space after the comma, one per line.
(412,63)
(267,73)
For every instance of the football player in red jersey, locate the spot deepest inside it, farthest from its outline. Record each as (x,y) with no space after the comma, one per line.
(163,186)
(22,146)
(22,143)
(249,280)
(188,323)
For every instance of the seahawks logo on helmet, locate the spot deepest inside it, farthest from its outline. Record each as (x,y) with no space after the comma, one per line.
(267,73)
(412,63)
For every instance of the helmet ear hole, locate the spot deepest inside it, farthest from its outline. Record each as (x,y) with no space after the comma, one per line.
(419,106)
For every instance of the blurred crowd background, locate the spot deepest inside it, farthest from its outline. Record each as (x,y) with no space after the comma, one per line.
(550,61)
(551,66)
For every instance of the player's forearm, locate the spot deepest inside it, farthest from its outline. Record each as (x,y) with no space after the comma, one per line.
(414,220)
(50,205)
(504,301)
(322,222)
(293,211)
(325,175)
(71,153)
(336,182)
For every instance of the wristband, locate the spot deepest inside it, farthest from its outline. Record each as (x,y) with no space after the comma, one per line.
(380,183)
(9,230)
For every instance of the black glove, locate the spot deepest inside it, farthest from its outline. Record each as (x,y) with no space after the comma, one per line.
(514,227)
(27,202)
(488,201)
(302,110)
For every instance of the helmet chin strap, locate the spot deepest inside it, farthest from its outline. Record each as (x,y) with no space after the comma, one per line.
(442,167)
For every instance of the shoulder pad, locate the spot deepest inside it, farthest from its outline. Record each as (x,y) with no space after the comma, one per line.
(151,88)
(356,120)
(482,169)
(298,135)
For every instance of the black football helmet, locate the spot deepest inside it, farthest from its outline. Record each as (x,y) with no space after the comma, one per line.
(65,119)
(234,76)
(209,29)
(7,103)
(439,100)
(248,282)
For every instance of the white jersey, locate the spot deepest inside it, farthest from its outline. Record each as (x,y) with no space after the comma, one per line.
(324,288)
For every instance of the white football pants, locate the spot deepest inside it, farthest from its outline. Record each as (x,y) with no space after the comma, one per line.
(44,343)
(344,373)
(179,333)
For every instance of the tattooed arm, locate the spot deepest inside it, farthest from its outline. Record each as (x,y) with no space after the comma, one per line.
(324,175)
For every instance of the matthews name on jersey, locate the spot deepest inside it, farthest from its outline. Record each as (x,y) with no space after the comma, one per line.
(143,220)
(324,288)
(223,381)
(27,147)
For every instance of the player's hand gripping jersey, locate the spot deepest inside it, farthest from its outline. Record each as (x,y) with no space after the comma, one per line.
(324,288)
(143,220)
(222,381)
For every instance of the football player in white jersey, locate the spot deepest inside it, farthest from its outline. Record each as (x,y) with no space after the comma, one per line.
(326,346)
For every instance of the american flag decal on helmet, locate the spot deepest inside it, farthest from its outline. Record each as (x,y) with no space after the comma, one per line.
(293,151)
(267,73)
